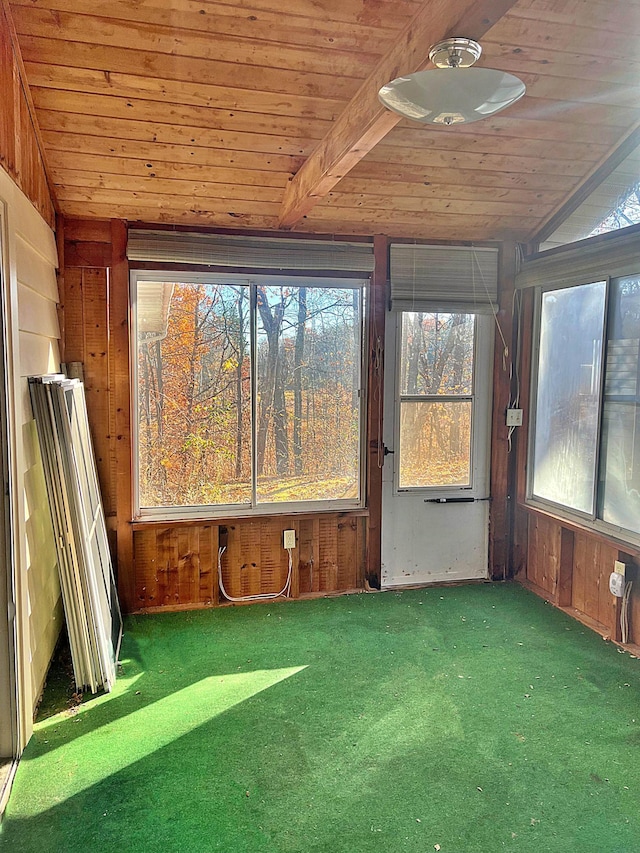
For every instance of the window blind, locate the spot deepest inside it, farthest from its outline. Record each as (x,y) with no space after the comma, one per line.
(443,278)
(238,251)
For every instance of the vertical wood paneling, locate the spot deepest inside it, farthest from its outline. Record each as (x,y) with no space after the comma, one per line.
(501,458)
(208,564)
(375,397)
(167,546)
(188,574)
(178,566)
(145,555)
(584,562)
(347,553)
(72,308)
(608,554)
(119,334)
(20,153)
(328,553)
(294,589)
(305,555)
(592,565)
(273,557)
(578,586)
(565,576)
(545,536)
(8,136)
(96,376)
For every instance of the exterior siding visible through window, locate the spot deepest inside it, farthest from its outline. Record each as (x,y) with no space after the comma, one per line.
(585,444)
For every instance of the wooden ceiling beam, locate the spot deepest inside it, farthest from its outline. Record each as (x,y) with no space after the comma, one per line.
(364,122)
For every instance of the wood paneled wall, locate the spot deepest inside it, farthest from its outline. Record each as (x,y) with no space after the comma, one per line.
(571,567)
(176,565)
(566,563)
(20,150)
(162,565)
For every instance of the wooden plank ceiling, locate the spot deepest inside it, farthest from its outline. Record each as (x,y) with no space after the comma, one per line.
(202,111)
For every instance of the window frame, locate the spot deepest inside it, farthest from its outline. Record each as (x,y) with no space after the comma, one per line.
(358,281)
(483,339)
(589,520)
(532,498)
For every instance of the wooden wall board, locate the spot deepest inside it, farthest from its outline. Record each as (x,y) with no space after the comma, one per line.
(327,555)
(592,565)
(501,467)
(347,553)
(146,576)
(543,564)
(375,410)
(118,319)
(21,152)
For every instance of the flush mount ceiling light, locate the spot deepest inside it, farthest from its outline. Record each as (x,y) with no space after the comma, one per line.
(457,93)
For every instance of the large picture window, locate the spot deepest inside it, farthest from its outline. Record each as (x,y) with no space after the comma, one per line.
(247,392)
(585,449)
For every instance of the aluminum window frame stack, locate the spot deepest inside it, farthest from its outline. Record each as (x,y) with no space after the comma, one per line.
(92,611)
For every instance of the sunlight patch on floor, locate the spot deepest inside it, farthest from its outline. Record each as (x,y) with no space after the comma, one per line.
(107,750)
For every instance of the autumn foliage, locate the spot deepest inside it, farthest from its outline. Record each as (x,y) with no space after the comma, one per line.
(436,388)
(248,392)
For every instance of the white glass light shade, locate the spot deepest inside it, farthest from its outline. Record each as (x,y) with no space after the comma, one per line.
(451,95)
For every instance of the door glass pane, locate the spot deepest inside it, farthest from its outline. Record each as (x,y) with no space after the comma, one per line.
(568,393)
(620,469)
(308,397)
(437,354)
(435,443)
(194,411)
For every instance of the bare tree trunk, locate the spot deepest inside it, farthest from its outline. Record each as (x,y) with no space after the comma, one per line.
(272,324)
(413,356)
(239,394)
(297,380)
(281,438)
(160,408)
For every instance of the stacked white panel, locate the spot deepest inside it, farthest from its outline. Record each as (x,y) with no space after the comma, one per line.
(91,606)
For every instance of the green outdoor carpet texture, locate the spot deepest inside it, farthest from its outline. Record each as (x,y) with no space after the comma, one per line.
(464,719)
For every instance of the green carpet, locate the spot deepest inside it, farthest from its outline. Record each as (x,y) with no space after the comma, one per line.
(466,720)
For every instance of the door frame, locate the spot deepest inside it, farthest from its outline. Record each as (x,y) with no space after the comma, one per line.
(480,457)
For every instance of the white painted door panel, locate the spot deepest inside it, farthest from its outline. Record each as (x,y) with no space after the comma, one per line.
(423,541)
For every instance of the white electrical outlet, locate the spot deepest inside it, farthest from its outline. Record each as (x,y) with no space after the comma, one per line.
(616,584)
(289,539)
(514,417)
(619,567)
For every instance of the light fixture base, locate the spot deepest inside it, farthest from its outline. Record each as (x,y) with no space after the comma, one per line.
(455,53)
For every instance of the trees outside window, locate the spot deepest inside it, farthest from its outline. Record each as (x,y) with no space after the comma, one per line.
(436,399)
(247,392)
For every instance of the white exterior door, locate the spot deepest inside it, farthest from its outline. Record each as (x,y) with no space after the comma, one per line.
(435,508)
